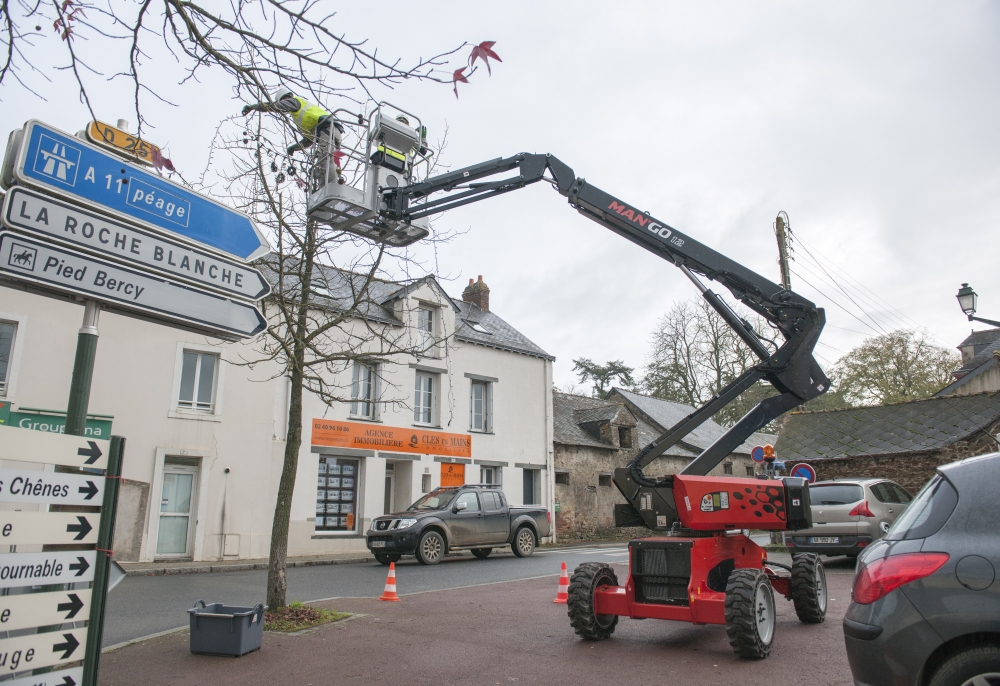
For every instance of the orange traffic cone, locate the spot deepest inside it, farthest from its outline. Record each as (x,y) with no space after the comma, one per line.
(390,585)
(563,595)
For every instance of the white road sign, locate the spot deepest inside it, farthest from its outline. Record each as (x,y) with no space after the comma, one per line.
(41,650)
(64,677)
(46,528)
(39,213)
(49,448)
(43,609)
(44,569)
(134,291)
(53,488)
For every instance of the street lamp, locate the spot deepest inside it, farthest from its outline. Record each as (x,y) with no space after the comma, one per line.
(967,299)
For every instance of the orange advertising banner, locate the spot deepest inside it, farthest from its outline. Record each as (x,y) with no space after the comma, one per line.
(395,439)
(452,474)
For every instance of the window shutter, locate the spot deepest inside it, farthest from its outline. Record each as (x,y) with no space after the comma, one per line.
(488,414)
(376,392)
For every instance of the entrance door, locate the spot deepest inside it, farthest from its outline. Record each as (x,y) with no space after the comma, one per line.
(177,503)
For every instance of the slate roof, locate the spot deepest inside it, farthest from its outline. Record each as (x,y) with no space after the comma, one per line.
(607,413)
(337,289)
(665,414)
(566,426)
(985,354)
(977,338)
(919,425)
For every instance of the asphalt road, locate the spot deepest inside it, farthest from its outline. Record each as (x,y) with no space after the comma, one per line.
(144,605)
(501,633)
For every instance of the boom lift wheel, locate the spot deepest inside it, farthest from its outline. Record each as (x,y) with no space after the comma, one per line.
(750,616)
(580,607)
(808,586)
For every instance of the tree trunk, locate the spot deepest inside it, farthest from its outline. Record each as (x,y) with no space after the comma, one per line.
(277,577)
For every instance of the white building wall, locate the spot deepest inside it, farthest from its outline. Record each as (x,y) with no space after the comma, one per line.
(136,380)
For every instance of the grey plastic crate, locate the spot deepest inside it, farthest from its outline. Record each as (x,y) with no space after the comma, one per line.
(218,629)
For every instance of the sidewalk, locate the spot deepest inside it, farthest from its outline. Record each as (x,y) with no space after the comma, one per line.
(244,565)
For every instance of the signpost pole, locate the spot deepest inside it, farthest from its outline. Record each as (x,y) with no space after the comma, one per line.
(105,537)
(83,371)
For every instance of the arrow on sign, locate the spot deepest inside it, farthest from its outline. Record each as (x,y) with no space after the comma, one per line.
(80,566)
(69,646)
(67,681)
(72,607)
(90,491)
(91,453)
(81,529)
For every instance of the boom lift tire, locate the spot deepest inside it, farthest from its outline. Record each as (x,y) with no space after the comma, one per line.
(580,606)
(750,613)
(809,588)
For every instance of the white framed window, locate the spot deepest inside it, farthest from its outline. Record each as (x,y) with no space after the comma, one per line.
(481,407)
(364,391)
(7,332)
(491,475)
(425,327)
(199,372)
(423,398)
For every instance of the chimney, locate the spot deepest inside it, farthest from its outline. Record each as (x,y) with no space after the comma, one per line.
(477,293)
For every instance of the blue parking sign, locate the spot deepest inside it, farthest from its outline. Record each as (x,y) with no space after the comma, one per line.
(69,167)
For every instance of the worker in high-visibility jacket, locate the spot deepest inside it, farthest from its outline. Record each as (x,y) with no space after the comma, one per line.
(313,122)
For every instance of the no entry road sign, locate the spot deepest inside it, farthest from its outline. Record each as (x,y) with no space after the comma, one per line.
(64,677)
(48,448)
(133,291)
(41,650)
(44,569)
(48,528)
(51,488)
(69,167)
(43,609)
(33,211)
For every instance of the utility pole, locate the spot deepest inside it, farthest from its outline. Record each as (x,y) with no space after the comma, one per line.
(781,230)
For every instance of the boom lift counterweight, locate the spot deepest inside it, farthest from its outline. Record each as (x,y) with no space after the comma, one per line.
(697,569)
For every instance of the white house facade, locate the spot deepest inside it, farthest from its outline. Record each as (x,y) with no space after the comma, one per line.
(205,434)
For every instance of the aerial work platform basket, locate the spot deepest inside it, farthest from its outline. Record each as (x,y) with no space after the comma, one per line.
(383,150)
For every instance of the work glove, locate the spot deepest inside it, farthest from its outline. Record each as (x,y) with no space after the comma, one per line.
(247,109)
(292,148)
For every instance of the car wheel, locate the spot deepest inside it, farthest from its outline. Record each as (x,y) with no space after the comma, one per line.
(430,548)
(386,558)
(524,542)
(978,666)
(808,586)
(750,616)
(580,606)
(482,553)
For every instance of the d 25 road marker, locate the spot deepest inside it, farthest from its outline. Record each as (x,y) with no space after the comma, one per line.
(25,445)
(32,211)
(46,569)
(43,609)
(133,291)
(17,528)
(51,488)
(41,650)
(64,677)
(69,167)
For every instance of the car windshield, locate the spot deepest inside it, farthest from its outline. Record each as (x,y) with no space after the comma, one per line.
(927,513)
(438,500)
(835,494)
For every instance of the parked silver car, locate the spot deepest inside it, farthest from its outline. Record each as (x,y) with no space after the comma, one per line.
(848,515)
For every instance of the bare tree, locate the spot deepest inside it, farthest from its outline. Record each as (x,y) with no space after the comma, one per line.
(695,354)
(895,367)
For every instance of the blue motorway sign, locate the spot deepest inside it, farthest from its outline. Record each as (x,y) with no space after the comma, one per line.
(69,167)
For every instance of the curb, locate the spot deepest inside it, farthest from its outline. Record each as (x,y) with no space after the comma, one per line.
(248,567)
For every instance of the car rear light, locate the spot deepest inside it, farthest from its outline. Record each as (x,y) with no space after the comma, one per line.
(883,576)
(789,544)
(862,544)
(548,515)
(861,509)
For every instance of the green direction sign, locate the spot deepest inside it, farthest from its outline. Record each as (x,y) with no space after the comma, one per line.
(51,421)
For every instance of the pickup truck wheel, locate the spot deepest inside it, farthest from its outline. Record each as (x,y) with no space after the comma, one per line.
(524,542)
(386,558)
(580,606)
(430,548)
(482,553)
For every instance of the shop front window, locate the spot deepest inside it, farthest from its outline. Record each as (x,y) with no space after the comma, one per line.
(337,494)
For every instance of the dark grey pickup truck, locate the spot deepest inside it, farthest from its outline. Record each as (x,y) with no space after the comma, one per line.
(475,518)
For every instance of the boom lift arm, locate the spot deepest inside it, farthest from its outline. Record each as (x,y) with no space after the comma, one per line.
(789,367)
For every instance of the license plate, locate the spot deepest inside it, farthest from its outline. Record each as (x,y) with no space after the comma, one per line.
(824,539)
(378,544)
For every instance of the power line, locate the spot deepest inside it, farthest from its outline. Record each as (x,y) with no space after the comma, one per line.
(862,321)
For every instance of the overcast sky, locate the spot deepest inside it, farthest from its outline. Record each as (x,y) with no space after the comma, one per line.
(874,125)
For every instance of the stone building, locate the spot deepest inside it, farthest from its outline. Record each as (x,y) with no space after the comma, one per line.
(980,370)
(904,442)
(593,437)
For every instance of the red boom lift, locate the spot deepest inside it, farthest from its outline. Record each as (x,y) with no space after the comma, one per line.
(700,567)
